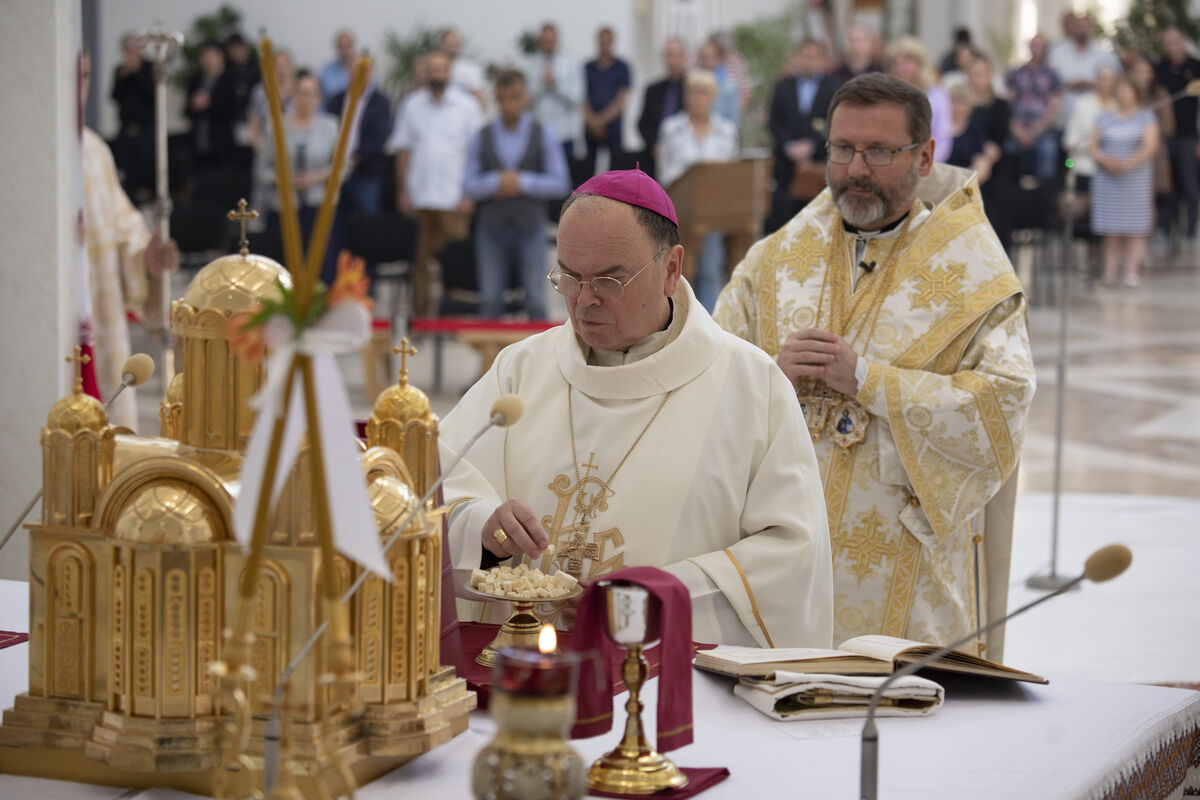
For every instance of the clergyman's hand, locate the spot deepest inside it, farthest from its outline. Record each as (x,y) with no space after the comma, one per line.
(815,353)
(522,531)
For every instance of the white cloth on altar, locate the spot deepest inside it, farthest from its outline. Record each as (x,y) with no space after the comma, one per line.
(722,491)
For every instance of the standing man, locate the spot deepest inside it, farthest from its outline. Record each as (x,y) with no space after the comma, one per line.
(362,191)
(653,438)
(1174,72)
(212,108)
(662,99)
(133,92)
(1036,103)
(608,81)
(799,107)
(1077,60)
(514,165)
(902,327)
(431,158)
(555,84)
(335,75)
(465,73)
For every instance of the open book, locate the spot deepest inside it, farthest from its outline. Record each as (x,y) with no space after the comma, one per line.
(862,655)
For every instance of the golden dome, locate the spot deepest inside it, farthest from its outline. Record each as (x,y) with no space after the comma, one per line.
(235,283)
(392,500)
(167,512)
(77,411)
(175,389)
(402,402)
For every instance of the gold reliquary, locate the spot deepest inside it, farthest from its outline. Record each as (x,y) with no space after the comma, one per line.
(134,575)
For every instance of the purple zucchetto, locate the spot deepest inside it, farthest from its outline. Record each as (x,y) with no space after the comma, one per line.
(631,186)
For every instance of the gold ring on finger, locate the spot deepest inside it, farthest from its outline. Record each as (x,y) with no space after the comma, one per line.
(500,536)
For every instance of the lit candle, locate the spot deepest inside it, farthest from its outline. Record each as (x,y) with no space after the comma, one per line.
(542,673)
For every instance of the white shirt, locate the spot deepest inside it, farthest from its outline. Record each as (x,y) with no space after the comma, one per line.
(678,147)
(436,135)
(1074,65)
(467,75)
(556,106)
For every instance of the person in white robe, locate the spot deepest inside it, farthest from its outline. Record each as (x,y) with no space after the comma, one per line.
(890,304)
(121,253)
(649,437)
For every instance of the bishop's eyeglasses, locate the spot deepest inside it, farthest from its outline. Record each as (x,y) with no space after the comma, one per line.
(604,287)
(873,156)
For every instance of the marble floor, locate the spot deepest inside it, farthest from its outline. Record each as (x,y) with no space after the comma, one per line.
(1130,473)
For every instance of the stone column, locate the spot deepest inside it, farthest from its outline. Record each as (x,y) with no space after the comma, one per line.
(38,262)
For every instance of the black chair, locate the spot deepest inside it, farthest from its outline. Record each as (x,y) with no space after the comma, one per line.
(386,242)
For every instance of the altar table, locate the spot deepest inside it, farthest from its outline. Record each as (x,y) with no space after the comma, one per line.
(992,739)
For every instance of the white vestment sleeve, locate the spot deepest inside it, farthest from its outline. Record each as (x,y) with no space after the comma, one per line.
(477,485)
(779,576)
(713,616)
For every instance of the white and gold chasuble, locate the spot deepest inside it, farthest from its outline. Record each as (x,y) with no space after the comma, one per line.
(722,490)
(116,236)
(950,378)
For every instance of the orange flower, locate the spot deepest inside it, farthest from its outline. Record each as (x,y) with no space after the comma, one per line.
(249,344)
(351,282)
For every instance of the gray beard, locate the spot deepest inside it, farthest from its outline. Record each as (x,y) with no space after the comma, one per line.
(870,213)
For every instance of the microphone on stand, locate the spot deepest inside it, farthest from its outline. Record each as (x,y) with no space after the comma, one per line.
(505,411)
(136,370)
(1102,565)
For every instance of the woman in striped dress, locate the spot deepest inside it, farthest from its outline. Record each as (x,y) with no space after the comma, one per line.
(1123,146)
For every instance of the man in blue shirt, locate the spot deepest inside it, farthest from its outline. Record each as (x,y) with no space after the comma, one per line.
(335,75)
(608,82)
(514,165)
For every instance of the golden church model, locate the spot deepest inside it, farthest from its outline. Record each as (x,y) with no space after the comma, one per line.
(134,573)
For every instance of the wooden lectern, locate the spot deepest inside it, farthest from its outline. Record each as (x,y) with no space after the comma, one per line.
(727,196)
(807,182)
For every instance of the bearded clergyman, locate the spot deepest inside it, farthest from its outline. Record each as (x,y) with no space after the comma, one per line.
(650,437)
(893,310)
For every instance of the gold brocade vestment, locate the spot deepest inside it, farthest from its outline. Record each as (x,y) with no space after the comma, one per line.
(948,387)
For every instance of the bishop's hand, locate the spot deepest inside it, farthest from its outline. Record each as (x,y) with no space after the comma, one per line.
(513,529)
(819,354)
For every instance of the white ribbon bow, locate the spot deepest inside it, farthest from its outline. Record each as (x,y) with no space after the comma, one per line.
(344,328)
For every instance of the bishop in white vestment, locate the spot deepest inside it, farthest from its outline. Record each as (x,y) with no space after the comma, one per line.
(893,308)
(649,437)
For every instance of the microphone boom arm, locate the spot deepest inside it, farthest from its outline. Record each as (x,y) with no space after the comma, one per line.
(869,770)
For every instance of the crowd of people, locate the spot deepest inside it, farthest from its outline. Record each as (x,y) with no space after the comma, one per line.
(468,156)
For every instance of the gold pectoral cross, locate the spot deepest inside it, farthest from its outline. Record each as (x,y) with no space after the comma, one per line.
(574,541)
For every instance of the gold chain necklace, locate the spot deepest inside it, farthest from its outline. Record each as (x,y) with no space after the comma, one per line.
(591,507)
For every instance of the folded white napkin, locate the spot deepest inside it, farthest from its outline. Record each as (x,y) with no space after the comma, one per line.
(793,696)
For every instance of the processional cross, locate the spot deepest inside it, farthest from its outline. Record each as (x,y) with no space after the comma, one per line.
(242,216)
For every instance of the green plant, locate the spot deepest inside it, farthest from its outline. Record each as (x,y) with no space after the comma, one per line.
(215,27)
(402,52)
(527,42)
(764,43)
(1141,28)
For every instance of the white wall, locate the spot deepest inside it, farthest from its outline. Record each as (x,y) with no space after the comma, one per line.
(38,201)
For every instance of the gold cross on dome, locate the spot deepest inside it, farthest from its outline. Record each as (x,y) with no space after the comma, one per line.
(404,351)
(242,216)
(78,360)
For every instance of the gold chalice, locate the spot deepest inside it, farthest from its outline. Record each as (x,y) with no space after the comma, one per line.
(522,626)
(633,620)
